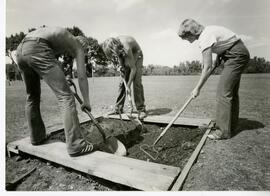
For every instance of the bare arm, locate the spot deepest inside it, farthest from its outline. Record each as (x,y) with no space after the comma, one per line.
(76,49)
(82,77)
(207,69)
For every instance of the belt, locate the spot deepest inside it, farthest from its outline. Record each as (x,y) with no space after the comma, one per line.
(37,39)
(222,56)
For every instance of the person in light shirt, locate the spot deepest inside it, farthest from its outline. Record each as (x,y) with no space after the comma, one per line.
(230,49)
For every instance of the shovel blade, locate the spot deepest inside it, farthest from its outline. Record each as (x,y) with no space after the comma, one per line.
(114,146)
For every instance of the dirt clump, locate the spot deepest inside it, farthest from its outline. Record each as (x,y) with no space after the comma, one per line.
(174,148)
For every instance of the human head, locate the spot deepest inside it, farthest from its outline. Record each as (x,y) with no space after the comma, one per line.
(190,30)
(113,49)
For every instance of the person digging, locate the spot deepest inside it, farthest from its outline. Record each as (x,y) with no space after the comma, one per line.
(231,50)
(125,53)
(36,57)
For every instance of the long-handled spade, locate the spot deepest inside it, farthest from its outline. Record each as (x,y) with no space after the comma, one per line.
(111,144)
(136,121)
(146,147)
(121,119)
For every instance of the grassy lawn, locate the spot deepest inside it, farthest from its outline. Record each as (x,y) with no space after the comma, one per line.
(240,163)
(163,94)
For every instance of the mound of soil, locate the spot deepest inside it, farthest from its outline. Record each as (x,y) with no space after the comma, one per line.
(174,148)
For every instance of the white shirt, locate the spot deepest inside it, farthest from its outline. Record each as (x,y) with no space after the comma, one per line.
(218,38)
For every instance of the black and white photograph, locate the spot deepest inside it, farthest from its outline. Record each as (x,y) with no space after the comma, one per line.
(144,96)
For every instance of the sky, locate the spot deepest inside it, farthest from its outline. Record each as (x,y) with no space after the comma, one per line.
(153,23)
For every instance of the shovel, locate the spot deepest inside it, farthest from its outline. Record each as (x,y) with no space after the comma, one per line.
(111,144)
(136,121)
(146,148)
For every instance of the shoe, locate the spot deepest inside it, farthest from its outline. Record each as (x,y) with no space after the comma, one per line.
(142,115)
(87,149)
(47,137)
(215,135)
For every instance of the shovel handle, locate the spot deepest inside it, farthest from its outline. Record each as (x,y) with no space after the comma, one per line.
(178,114)
(87,111)
(173,120)
(128,94)
(95,123)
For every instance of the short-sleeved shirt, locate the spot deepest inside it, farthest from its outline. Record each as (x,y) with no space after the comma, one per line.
(218,38)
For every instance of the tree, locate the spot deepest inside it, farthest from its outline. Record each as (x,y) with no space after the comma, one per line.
(258,65)
(12,72)
(13,41)
(76,31)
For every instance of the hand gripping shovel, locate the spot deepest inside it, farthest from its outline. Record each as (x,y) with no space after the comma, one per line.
(111,144)
(146,147)
(136,121)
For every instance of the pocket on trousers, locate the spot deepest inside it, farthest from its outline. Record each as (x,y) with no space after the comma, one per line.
(31,51)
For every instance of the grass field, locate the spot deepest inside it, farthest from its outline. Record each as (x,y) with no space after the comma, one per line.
(241,163)
(163,94)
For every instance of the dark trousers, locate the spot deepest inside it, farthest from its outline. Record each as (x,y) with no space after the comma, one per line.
(137,89)
(227,110)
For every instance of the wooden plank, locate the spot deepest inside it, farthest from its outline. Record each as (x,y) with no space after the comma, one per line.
(135,173)
(163,119)
(59,126)
(180,180)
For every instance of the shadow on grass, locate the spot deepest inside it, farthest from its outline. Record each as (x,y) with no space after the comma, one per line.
(159,111)
(245,124)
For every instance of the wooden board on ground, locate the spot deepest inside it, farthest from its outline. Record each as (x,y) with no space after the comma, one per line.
(182,177)
(59,126)
(135,173)
(166,119)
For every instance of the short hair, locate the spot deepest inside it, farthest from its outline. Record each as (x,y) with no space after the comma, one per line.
(189,27)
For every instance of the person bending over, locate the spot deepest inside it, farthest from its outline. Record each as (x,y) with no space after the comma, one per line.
(36,56)
(231,50)
(125,53)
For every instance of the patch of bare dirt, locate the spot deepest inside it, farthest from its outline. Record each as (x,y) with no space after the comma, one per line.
(174,148)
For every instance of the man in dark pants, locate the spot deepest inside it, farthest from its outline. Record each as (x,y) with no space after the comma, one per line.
(126,54)
(36,56)
(228,47)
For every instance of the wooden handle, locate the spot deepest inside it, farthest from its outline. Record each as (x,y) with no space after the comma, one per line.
(95,123)
(174,119)
(128,94)
(88,112)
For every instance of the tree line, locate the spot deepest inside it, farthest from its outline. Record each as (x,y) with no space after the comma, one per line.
(255,65)
(100,68)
